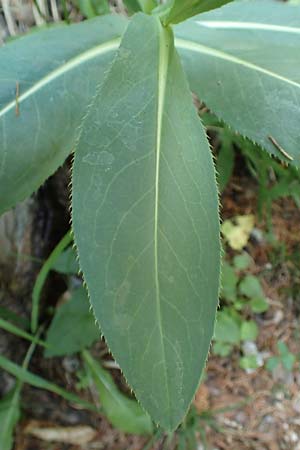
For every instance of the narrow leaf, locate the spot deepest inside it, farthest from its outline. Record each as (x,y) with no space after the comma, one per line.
(46,81)
(11,328)
(145,217)
(23,375)
(9,416)
(248,85)
(10,404)
(123,413)
(225,161)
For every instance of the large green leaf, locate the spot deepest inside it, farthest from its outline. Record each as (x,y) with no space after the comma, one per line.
(243,61)
(180,10)
(56,72)
(123,413)
(29,149)
(145,217)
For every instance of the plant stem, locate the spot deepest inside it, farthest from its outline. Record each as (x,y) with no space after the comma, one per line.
(42,276)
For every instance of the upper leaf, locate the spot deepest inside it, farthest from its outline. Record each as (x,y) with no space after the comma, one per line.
(145,217)
(93,8)
(132,5)
(243,61)
(140,5)
(180,10)
(224,74)
(46,81)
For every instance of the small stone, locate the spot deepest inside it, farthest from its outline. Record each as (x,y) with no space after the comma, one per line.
(257,236)
(278,316)
(280,396)
(250,348)
(70,364)
(241,417)
(291,437)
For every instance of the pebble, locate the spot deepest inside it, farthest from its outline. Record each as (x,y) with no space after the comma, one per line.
(257,236)
(291,437)
(70,364)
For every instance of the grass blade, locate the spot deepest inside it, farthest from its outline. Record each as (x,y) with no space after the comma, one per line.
(25,376)
(7,326)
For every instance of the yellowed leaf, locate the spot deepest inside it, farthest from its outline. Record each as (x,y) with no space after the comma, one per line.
(77,435)
(237,230)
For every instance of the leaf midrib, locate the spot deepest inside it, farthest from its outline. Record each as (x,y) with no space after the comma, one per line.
(243,25)
(164,51)
(185,44)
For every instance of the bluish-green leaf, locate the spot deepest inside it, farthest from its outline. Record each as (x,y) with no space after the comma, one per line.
(73,327)
(46,81)
(30,151)
(243,61)
(145,217)
(123,413)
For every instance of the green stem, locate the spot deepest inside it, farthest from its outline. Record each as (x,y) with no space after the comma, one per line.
(42,276)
